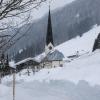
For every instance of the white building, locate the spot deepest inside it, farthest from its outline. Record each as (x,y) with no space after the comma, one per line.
(53,57)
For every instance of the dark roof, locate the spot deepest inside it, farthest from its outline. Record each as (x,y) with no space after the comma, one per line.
(54,56)
(49,37)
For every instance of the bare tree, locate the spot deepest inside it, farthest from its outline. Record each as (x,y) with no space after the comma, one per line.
(12,9)
(15,8)
(9,8)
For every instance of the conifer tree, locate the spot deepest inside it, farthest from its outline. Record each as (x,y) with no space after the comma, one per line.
(97,43)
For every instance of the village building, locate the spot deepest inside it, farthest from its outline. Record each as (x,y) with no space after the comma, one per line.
(53,58)
(28,63)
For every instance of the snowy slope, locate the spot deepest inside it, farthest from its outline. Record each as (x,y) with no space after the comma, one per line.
(82,44)
(77,80)
(85,67)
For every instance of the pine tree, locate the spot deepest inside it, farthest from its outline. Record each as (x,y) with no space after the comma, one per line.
(95,45)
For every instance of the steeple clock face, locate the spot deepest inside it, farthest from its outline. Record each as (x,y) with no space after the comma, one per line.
(50,48)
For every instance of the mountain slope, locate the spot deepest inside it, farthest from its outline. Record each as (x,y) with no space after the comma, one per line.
(68,22)
(82,44)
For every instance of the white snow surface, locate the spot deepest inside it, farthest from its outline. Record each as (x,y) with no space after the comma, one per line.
(82,44)
(12,64)
(76,80)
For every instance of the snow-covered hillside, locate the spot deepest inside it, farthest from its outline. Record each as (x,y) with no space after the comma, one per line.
(76,80)
(81,44)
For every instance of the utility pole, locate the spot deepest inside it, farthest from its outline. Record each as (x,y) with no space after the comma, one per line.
(12,65)
(0,77)
(14,78)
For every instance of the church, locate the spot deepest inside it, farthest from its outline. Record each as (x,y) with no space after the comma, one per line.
(53,58)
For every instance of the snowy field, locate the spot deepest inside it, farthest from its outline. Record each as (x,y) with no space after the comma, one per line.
(53,90)
(76,80)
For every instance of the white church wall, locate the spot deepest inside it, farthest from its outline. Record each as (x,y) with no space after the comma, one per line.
(52,64)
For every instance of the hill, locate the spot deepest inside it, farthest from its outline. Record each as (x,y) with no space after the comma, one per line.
(68,22)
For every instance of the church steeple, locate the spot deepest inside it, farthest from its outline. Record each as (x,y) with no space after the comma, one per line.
(49,38)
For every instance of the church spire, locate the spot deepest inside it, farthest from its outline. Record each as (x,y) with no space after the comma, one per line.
(49,37)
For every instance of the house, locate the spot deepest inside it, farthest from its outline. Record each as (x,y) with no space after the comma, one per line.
(53,58)
(27,63)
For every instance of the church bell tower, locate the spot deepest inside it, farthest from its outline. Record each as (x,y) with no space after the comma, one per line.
(49,46)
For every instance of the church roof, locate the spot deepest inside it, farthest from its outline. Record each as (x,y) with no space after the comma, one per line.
(49,37)
(54,56)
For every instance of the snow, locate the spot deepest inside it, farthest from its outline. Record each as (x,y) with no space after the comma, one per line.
(2,90)
(26,60)
(53,90)
(86,68)
(83,68)
(12,64)
(76,80)
(20,51)
(82,44)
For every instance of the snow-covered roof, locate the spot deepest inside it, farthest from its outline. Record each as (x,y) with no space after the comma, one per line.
(12,64)
(54,56)
(26,60)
